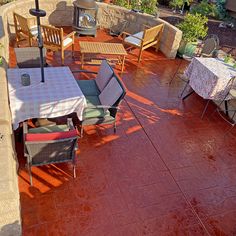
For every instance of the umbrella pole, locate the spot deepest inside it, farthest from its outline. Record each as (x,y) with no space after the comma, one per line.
(39,13)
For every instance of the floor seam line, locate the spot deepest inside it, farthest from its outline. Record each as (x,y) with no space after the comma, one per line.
(185,198)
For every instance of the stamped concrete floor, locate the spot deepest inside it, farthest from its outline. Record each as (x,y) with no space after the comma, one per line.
(165,171)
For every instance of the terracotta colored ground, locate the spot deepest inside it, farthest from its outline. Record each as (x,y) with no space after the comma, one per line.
(165,171)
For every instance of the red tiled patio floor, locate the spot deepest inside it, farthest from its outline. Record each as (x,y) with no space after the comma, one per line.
(165,171)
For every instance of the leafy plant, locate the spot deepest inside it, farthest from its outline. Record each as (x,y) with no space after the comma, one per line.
(205,9)
(193,27)
(221,10)
(122,3)
(179,3)
(149,6)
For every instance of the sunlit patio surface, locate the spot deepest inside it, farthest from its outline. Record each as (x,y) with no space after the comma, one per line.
(165,172)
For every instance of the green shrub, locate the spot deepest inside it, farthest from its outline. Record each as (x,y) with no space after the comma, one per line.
(205,9)
(179,3)
(122,3)
(149,6)
(193,27)
(221,12)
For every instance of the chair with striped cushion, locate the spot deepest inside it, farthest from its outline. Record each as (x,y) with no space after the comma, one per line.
(144,39)
(49,145)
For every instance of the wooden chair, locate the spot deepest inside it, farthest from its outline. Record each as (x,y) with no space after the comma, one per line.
(54,39)
(144,39)
(25,28)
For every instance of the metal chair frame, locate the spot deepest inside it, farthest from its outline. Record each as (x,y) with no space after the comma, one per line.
(37,149)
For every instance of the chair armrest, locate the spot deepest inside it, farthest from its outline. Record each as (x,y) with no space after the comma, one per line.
(70,124)
(25,128)
(69,35)
(147,26)
(84,71)
(101,106)
(128,34)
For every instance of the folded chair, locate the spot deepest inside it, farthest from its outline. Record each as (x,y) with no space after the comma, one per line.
(54,39)
(26,28)
(144,39)
(51,144)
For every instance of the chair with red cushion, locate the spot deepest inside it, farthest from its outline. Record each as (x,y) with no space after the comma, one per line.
(51,144)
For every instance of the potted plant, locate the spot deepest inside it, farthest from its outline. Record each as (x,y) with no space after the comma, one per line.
(194,28)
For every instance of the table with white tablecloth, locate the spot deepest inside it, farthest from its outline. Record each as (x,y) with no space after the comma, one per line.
(59,95)
(210,77)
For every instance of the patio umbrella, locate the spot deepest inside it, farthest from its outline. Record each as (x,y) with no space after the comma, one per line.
(39,13)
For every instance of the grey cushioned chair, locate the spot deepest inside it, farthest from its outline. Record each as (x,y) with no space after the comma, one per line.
(51,144)
(102,101)
(95,86)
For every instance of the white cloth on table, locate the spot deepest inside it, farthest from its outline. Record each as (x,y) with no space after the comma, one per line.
(59,95)
(209,77)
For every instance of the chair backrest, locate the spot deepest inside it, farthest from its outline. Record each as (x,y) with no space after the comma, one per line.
(29,57)
(21,23)
(108,98)
(152,34)
(104,75)
(53,147)
(52,36)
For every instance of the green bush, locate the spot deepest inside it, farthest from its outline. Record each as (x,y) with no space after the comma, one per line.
(122,3)
(193,27)
(147,6)
(221,12)
(205,9)
(179,3)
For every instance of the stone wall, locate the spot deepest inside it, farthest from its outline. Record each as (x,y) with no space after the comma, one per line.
(60,13)
(109,15)
(10,223)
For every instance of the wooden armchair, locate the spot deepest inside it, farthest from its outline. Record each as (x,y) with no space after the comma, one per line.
(25,28)
(54,39)
(144,39)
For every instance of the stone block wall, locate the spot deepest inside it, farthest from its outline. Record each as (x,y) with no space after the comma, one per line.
(10,221)
(109,15)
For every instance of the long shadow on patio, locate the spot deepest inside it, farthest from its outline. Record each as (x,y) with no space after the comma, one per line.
(165,171)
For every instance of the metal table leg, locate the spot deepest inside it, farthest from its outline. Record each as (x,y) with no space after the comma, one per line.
(226,108)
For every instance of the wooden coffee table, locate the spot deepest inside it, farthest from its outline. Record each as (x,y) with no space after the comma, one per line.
(116,49)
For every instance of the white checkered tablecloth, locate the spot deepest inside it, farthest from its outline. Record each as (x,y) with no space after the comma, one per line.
(60,94)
